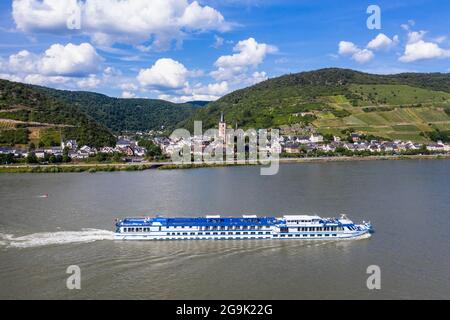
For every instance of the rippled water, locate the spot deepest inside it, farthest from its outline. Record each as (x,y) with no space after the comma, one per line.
(408,202)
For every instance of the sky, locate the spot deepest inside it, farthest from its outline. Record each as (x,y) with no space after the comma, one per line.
(184,50)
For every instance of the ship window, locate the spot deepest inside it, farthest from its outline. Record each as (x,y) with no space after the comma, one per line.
(222,233)
(245,232)
(268,232)
(252,232)
(305,235)
(238,233)
(200,233)
(215,233)
(327,235)
(260,233)
(334,235)
(207,233)
(319,235)
(192,233)
(290,235)
(282,236)
(275,236)
(311,235)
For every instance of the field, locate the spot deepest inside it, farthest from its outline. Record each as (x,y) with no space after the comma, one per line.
(383,111)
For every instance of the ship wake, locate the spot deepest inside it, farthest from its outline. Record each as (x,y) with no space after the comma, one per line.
(54,238)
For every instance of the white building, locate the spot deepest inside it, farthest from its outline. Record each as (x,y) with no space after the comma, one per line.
(69,144)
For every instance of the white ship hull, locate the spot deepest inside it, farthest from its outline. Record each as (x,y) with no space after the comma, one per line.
(308,237)
(310,228)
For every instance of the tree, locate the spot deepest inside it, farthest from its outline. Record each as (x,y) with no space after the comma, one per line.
(102,157)
(31,158)
(153,150)
(117,157)
(6,158)
(65,157)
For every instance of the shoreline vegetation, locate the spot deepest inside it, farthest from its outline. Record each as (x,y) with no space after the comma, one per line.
(112,167)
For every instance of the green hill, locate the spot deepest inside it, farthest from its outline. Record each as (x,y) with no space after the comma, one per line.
(30,115)
(126,114)
(408,106)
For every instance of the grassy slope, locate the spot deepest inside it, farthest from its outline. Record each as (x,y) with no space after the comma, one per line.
(395,107)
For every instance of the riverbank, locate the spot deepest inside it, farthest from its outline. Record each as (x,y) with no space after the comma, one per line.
(91,168)
(111,167)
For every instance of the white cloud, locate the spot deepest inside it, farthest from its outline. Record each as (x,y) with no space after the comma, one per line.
(422,50)
(218,41)
(128,87)
(440,39)
(210,92)
(89,83)
(58,60)
(164,74)
(74,66)
(417,48)
(128,95)
(415,36)
(22,62)
(347,48)
(249,53)
(119,21)
(204,18)
(382,42)
(70,60)
(258,77)
(363,56)
(216,89)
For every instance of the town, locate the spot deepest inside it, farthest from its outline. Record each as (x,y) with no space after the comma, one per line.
(141,147)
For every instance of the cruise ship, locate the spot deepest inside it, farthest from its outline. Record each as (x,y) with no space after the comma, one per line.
(215,227)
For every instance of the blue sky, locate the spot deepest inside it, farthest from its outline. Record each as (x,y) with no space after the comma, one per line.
(184,50)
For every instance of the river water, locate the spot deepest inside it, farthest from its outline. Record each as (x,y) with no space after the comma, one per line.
(408,202)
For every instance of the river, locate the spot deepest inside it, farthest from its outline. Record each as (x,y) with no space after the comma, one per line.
(408,203)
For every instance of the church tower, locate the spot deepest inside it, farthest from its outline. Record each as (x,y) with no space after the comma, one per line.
(222,128)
